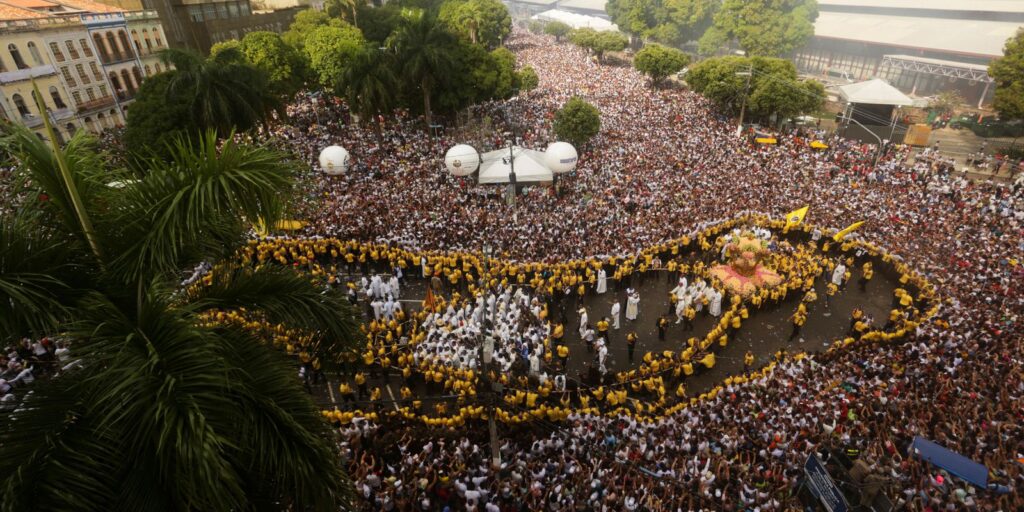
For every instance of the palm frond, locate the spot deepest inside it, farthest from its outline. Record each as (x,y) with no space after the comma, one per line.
(282,296)
(174,209)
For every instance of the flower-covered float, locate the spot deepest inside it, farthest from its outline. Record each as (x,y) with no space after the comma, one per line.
(744,271)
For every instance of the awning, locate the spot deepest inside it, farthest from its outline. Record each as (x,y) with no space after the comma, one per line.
(874,92)
(956,464)
(529,166)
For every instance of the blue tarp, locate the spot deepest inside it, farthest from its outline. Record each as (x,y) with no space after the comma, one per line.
(954,463)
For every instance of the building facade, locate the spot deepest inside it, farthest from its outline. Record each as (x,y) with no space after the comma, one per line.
(83,57)
(922,48)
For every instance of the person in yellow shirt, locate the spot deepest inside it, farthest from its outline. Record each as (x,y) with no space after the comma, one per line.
(631,340)
(748,361)
(602,328)
(867,272)
(563,355)
(798,323)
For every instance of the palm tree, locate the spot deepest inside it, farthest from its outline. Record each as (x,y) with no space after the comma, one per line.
(223,92)
(369,84)
(164,407)
(425,53)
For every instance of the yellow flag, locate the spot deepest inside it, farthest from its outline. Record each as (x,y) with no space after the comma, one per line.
(838,237)
(795,217)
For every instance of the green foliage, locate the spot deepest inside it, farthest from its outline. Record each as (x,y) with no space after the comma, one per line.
(762,27)
(598,42)
(947,101)
(535,27)
(330,49)
(304,23)
(223,92)
(377,23)
(774,86)
(284,65)
(577,122)
(528,79)
(164,410)
(1008,73)
(153,121)
(425,55)
(659,62)
(671,22)
(557,29)
(485,22)
(369,83)
(346,10)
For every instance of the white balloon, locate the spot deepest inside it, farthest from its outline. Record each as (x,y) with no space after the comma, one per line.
(462,160)
(334,160)
(560,157)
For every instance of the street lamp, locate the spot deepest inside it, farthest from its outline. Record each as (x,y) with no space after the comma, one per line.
(560,157)
(334,160)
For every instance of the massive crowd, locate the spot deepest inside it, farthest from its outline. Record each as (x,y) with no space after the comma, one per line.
(664,163)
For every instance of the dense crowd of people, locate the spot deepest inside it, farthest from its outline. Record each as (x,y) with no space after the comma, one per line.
(664,163)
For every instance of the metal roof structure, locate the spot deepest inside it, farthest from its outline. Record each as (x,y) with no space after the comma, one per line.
(938,67)
(874,92)
(583,5)
(956,36)
(940,5)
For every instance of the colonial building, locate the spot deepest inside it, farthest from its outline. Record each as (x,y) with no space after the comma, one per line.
(87,60)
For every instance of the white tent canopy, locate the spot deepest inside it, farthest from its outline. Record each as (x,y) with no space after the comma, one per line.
(576,20)
(529,165)
(874,92)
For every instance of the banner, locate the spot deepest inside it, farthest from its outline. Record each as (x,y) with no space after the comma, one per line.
(795,217)
(838,237)
(954,463)
(823,487)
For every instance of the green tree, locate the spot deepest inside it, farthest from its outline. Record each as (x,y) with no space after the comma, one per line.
(1008,73)
(165,407)
(577,122)
(557,29)
(331,50)
(535,27)
(284,65)
(153,121)
(599,42)
(369,85)
(485,22)
(672,22)
(306,22)
(659,62)
(762,27)
(947,101)
(772,86)
(528,79)
(424,55)
(222,92)
(347,10)
(377,23)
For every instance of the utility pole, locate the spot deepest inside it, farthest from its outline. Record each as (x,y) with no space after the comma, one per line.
(743,107)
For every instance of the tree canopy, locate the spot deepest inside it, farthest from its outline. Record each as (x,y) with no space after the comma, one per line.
(599,42)
(557,29)
(485,22)
(577,122)
(658,62)
(528,79)
(1008,73)
(774,86)
(671,22)
(284,65)
(330,49)
(761,27)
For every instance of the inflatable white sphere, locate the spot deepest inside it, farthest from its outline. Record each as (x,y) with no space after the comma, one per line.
(462,160)
(334,160)
(560,157)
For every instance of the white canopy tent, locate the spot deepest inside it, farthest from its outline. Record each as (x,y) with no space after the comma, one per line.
(529,165)
(576,20)
(874,92)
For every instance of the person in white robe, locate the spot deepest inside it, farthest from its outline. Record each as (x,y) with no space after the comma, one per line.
(838,273)
(633,306)
(616,315)
(602,281)
(583,322)
(715,306)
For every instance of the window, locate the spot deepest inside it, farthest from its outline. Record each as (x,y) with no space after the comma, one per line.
(115,51)
(117,82)
(157,67)
(98,39)
(125,43)
(126,78)
(145,36)
(210,11)
(81,73)
(57,100)
(70,127)
(103,120)
(89,92)
(71,49)
(233,9)
(32,50)
(85,47)
(19,102)
(156,37)
(245,8)
(138,74)
(55,50)
(67,76)
(149,70)
(89,124)
(103,91)
(16,56)
(195,13)
(95,71)
(77,96)
(222,11)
